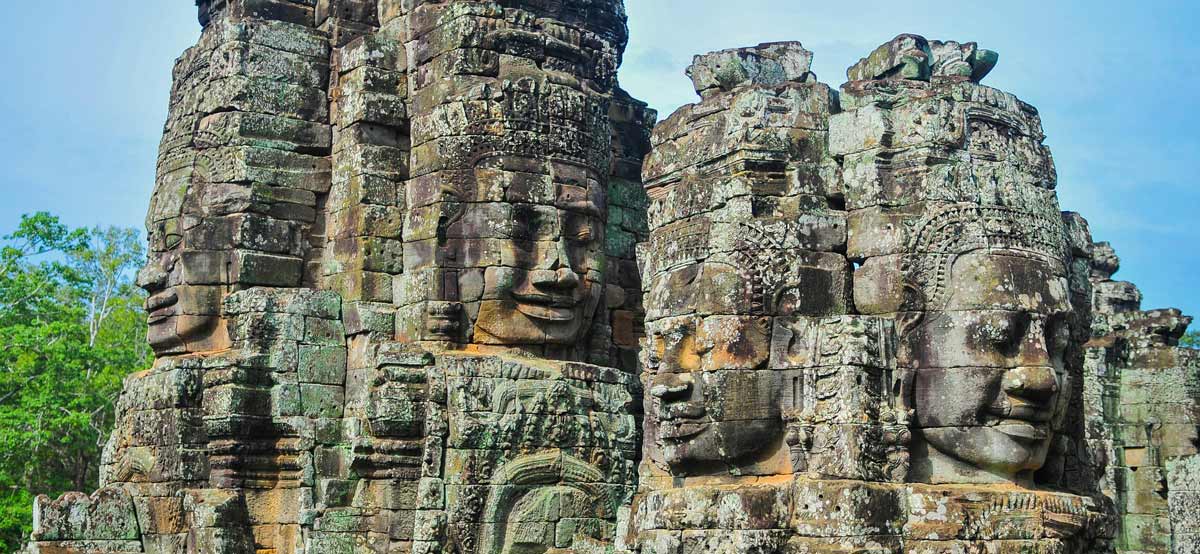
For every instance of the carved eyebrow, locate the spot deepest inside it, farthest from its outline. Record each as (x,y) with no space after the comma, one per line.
(1059,316)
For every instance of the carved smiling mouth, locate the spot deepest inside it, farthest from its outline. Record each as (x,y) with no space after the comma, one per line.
(161,306)
(1024,422)
(680,429)
(547,307)
(681,420)
(1024,430)
(1022,419)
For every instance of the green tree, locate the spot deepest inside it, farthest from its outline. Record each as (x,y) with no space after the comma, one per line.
(1190,340)
(71,328)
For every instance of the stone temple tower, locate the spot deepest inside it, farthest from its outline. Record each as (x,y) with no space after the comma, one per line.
(425,280)
(393,291)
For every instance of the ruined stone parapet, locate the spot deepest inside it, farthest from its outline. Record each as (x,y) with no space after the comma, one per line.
(1152,404)
(764,65)
(912,57)
(102,522)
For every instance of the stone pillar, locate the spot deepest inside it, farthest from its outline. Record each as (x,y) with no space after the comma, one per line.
(523,203)
(365,208)
(1153,405)
(793,407)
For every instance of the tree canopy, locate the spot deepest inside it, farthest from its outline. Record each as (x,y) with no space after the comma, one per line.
(71,328)
(1191,340)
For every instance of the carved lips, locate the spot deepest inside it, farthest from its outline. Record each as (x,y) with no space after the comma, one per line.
(548,307)
(161,305)
(679,430)
(1026,418)
(1024,430)
(679,419)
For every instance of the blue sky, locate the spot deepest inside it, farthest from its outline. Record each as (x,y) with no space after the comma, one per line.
(1118,87)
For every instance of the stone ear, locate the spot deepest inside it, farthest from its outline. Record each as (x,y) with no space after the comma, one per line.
(912,311)
(907,321)
(902,392)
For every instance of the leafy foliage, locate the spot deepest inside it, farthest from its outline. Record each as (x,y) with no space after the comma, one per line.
(1191,340)
(71,328)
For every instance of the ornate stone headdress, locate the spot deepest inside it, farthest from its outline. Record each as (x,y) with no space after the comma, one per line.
(937,240)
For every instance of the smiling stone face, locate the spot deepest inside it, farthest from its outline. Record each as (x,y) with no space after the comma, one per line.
(990,380)
(549,285)
(184,300)
(513,156)
(710,400)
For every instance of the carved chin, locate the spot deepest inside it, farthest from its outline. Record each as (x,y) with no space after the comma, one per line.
(727,442)
(549,313)
(680,444)
(162,336)
(999,450)
(177,334)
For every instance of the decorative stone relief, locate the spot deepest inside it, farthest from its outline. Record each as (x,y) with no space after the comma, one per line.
(423,279)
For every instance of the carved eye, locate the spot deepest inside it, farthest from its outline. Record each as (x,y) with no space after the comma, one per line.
(578,228)
(999,330)
(1058,336)
(676,333)
(525,222)
(162,241)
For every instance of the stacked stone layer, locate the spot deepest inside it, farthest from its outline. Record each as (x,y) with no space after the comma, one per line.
(425,279)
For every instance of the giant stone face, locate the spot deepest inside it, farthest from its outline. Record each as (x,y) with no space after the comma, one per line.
(989,369)
(549,289)
(710,400)
(184,297)
(518,149)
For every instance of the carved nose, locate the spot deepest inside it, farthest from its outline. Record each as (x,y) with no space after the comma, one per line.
(1036,383)
(673,389)
(560,278)
(151,278)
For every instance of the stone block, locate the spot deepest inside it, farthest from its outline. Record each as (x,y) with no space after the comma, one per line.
(276,10)
(770,64)
(106,515)
(324,365)
(263,130)
(321,400)
(263,269)
(324,331)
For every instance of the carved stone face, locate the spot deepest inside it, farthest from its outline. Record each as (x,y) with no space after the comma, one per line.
(549,285)
(518,143)
(709,399)
(989,369)
(184,295)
